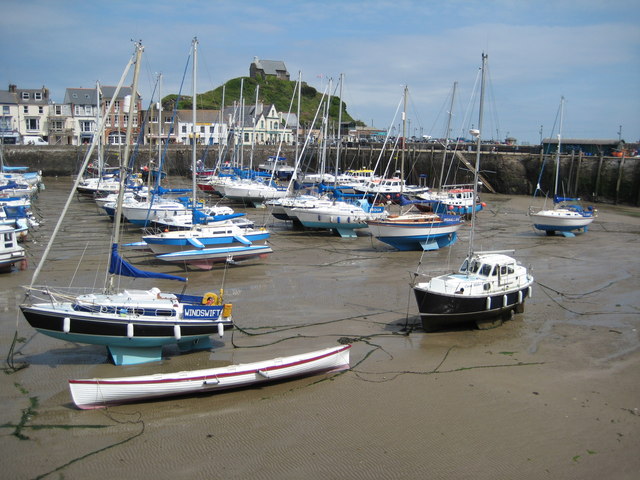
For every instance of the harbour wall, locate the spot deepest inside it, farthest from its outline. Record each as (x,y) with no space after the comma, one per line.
(593,178)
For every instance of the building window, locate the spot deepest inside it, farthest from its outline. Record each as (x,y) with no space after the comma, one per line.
(202,129)
(5,109)
(25,109)
(184,129)
(32,124)
(77,109)
(57,125)
(24,95)
(37,95)
(87,126)
(40,110)
(57,109)
(117,138)
(88,110)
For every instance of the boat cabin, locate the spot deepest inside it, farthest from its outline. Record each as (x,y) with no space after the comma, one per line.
(497,269)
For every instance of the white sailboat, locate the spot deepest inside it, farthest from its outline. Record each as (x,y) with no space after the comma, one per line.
(134,325)
(415,230)
(567,215)
(487,288)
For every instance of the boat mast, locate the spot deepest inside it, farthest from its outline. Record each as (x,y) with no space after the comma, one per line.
(254,120)
(325,122)
(298,121)
(404,138)
(221,122)
(98,130)
(448,134)
(478,133)
(83,167)
(555,187)
(193,121)
(339,128)
(160,121)
(125,160)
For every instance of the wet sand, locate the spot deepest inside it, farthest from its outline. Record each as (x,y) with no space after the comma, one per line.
(552,393)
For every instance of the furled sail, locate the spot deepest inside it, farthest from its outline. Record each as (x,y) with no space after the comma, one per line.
(119,266)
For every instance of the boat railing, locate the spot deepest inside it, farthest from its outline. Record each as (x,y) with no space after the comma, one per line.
(56,294)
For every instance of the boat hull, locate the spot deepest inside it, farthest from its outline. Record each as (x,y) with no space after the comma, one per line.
(553,222)
(206,258)
(440,310)
(115,331)
(407,236)
(98,393)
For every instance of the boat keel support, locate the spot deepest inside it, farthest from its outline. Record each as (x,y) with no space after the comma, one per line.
(134,355)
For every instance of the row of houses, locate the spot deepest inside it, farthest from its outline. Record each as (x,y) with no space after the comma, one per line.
(28,114)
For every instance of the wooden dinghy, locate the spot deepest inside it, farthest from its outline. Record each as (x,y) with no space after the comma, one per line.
(101,392)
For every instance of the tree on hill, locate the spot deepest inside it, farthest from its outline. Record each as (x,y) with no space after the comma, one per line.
(272,90)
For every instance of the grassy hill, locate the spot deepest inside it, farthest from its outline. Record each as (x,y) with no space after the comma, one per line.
(272,90)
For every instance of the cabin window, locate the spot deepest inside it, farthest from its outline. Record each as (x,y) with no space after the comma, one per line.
(503,270)
(164,312)
(486,270)
(83,308)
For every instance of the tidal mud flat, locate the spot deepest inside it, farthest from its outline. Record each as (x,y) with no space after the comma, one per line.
(552,393)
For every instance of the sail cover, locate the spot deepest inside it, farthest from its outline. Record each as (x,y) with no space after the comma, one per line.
(119,266)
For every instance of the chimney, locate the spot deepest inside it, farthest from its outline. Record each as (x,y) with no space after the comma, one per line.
(12,88)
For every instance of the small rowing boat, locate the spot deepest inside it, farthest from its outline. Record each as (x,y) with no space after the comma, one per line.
(101,392)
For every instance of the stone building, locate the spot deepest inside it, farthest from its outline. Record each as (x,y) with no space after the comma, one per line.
(268,68)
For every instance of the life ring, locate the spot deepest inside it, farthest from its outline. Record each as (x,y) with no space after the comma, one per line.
(210,298)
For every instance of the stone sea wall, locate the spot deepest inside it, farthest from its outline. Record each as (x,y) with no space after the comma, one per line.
(593,178)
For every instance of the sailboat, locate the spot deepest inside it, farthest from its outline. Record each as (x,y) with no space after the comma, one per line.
(337,214)
(415,230)
(489,285)
(134,325)
(204,245)
(567,214)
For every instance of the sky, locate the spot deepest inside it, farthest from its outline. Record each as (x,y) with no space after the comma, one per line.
(538,51)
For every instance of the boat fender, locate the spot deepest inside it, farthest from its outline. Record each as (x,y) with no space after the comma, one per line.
(220,329)
(130,330)
(530,290)
(226,310)
(66,325)
(177,332)
(520,296)
(504,300)
(210,298)
(488,307)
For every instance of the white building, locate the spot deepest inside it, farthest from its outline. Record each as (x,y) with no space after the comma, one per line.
(24,113)
(209,128)
(262,125)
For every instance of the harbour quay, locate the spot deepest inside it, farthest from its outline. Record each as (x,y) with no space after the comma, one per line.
(595,178)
